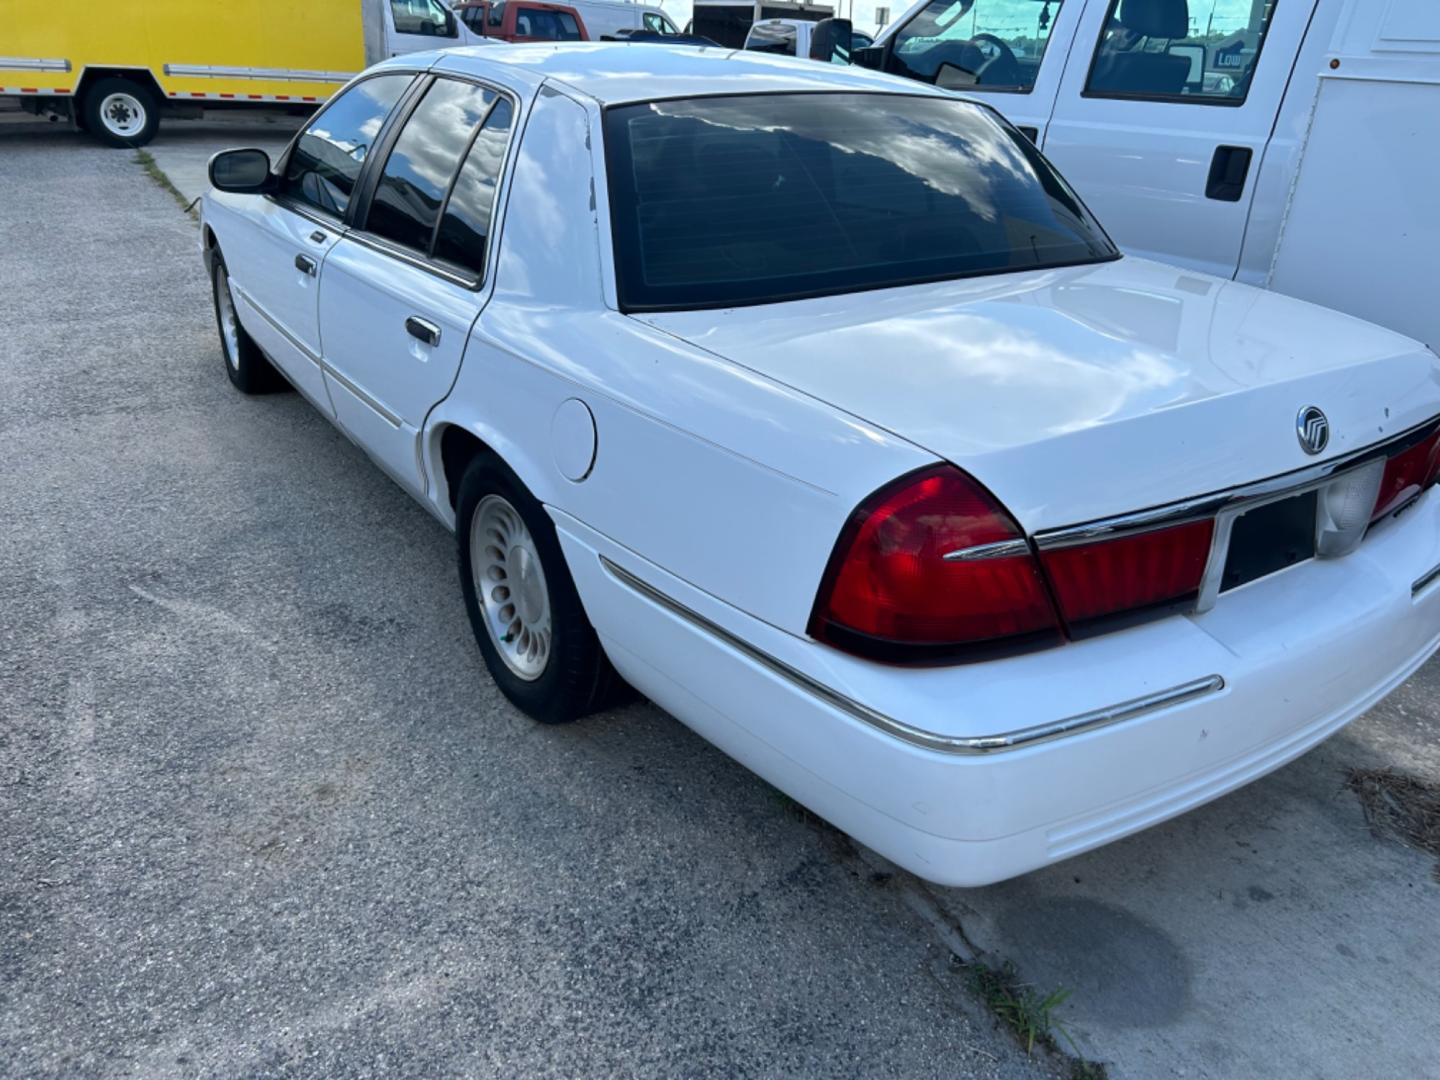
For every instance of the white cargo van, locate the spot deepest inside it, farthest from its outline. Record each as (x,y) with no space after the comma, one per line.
(608,17)
(1293,144)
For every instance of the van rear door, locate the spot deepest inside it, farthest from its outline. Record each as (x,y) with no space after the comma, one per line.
(1161,125)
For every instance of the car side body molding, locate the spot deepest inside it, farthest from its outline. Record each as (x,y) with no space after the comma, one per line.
(945,744)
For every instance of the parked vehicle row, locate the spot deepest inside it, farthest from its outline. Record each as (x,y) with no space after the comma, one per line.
(1282,143)
(907,489)
(116,76)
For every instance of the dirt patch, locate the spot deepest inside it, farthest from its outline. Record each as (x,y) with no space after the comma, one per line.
(1401,806)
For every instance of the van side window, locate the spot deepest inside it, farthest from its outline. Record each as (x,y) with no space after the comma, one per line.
(546,24)
(658,23)
(984,44)
(322,169)
(426,17)
(1204,51)
(418,172)
(465,225)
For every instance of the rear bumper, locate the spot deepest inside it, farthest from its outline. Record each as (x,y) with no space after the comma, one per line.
(1275,668)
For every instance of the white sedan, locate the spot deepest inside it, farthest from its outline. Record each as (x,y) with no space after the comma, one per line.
(814,404)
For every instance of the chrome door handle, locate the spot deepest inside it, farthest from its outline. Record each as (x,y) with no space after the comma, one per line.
(305,264)
(423,329)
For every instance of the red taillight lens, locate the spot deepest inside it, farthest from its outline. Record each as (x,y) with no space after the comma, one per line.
(1407,474)
(889,583)
(1129,572)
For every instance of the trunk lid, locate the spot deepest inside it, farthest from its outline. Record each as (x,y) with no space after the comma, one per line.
(1080,393)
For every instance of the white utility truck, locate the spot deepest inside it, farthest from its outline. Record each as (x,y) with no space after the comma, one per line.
(115,71)
(609,17)
(1293,144)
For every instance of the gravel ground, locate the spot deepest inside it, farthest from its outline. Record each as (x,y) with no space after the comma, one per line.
(262,812)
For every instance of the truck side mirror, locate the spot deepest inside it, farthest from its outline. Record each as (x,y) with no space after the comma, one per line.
(872,57)
(830,41)
(245,172)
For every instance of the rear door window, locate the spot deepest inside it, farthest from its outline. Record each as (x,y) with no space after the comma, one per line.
(466,224)
(985,44)
(1167,50)
(546,25)
(322,168)
(406,205)
(474,18)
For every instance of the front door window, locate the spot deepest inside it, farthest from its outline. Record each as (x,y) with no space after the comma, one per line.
(985,44)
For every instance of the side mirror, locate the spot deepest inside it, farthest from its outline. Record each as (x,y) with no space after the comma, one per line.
(245,172)
(830,41)
(872,57)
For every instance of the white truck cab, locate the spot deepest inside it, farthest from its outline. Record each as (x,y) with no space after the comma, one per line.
(1284,143)
(609,17)
(796,37)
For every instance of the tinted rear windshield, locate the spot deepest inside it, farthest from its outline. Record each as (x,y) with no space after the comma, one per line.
(752,199)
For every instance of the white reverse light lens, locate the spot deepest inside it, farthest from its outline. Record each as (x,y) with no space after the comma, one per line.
(1345,507)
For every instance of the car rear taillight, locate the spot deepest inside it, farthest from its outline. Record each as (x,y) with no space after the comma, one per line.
(1407,474)
(1129,573)
(929,565)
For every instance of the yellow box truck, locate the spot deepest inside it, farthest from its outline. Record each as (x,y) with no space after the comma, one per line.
(116,68)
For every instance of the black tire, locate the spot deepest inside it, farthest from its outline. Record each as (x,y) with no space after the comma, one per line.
(577,678)
(249,371)
(121,112)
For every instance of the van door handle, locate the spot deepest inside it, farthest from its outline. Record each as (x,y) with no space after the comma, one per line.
(305,264)
(423,329)
(1228,169)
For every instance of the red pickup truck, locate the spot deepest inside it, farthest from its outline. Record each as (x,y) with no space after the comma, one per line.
(522,20)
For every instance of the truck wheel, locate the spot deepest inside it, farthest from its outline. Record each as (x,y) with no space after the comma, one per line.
(245,364)
(121,112)
(528,621)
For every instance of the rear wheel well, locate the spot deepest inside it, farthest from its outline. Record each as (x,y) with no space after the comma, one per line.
(140,76)
(458,448)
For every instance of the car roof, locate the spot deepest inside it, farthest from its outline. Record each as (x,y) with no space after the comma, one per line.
(617,72)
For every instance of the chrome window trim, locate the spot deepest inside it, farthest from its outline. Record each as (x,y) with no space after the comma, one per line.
(413,258)
(961,745)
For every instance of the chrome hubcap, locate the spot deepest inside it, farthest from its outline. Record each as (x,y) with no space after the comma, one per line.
(510,584)
(229,324)
(123,114)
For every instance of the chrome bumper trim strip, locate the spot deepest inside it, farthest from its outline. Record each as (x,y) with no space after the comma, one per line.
(998,550)
(1233,499)
(929,740)
(1430,577)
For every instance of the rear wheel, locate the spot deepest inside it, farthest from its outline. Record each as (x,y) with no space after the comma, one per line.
(524,609)
(121,112)
(245,364)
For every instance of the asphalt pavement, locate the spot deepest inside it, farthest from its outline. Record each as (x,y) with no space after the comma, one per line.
(262,812)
